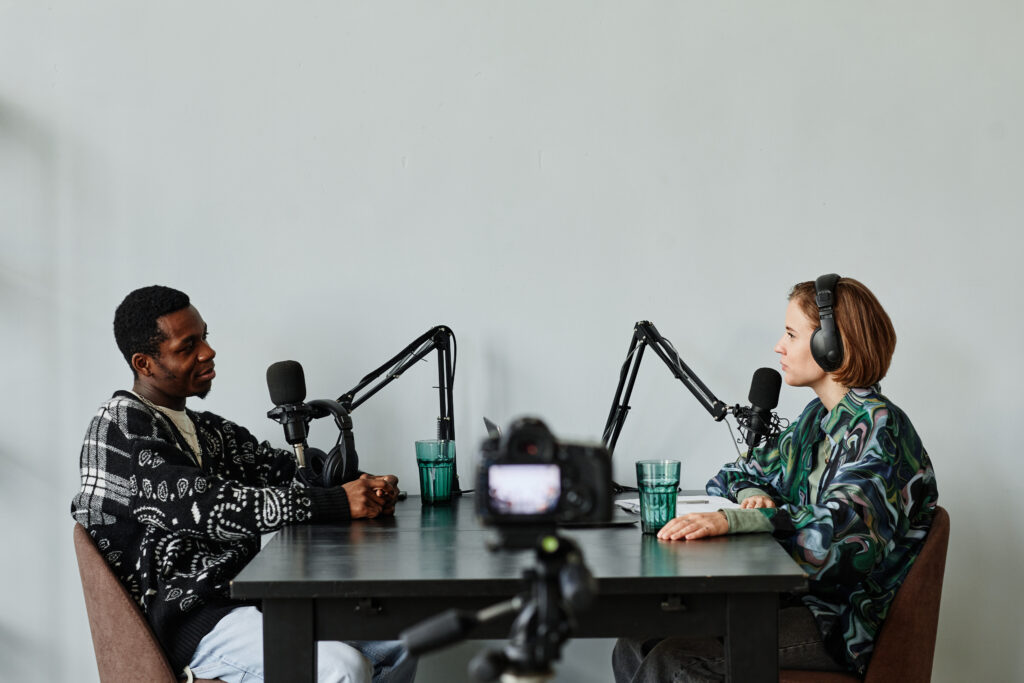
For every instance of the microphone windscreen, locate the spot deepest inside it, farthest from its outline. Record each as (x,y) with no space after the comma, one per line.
(764,388)
(286,382)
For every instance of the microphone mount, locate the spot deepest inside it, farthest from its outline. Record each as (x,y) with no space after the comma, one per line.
(439,338)
(291,415)
(646,334)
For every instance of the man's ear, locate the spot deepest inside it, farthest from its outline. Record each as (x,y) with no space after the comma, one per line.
(142,364)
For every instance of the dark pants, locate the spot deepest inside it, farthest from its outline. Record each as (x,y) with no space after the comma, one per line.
(702,660)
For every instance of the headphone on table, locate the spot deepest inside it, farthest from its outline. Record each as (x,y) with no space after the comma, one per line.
(337,466)
(826,344)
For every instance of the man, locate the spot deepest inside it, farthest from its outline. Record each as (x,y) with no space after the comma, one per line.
(176,501)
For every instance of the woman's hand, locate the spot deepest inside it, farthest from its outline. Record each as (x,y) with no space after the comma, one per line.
(757,502)
(695,525)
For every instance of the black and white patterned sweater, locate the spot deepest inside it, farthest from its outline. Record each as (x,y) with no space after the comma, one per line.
(175,533)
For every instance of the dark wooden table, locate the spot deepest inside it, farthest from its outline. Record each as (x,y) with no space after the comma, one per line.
(371,579)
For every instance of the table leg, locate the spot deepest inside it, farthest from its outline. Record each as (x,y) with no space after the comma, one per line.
(752,638)
(289,647)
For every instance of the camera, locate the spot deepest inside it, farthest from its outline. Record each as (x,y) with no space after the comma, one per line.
(527,483)
(529,478)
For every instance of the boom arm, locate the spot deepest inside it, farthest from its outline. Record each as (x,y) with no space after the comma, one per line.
(645,334)
(440,338)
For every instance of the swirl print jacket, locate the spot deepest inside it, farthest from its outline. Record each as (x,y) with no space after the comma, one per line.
(863,530)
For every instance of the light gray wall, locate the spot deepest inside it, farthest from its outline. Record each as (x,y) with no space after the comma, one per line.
(328,180)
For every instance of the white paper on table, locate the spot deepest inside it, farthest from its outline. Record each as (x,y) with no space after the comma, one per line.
(685,504)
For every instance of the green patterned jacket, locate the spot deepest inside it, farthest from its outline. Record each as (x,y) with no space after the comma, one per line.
(874,507)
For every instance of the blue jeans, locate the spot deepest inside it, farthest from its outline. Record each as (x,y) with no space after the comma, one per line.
(233,652)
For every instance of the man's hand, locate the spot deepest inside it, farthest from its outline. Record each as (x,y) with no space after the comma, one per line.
(390,478)
(757,502)
(363,500)
(386,490)
(695,525)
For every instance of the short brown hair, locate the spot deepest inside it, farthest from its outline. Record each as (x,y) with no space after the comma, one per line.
(867,333)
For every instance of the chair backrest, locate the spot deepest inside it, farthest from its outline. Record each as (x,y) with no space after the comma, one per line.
(905,646)
(126,649)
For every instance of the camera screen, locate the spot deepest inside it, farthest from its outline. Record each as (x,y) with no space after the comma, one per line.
(524,489)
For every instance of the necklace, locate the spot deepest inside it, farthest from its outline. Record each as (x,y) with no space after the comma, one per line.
(191,429)
(182,421)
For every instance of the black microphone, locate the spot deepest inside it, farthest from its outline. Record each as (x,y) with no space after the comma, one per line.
(287,385)
(763,396)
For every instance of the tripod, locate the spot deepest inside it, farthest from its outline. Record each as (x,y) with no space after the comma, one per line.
(557,586)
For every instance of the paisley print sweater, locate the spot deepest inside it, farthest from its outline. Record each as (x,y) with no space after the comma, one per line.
(858,538)
(174,532)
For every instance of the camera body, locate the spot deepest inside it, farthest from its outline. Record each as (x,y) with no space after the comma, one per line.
(528,478)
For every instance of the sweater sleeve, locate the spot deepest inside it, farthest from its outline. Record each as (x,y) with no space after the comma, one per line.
(748,521)
(150,478)
(759,470)
(245,458)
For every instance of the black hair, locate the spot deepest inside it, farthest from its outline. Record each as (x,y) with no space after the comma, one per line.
(135,326)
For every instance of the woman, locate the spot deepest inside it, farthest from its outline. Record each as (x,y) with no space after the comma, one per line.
(848,491)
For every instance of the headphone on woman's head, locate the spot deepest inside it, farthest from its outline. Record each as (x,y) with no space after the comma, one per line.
(826,344)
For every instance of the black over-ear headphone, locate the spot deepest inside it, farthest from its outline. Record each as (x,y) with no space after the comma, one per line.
(826,344)
(340,465)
